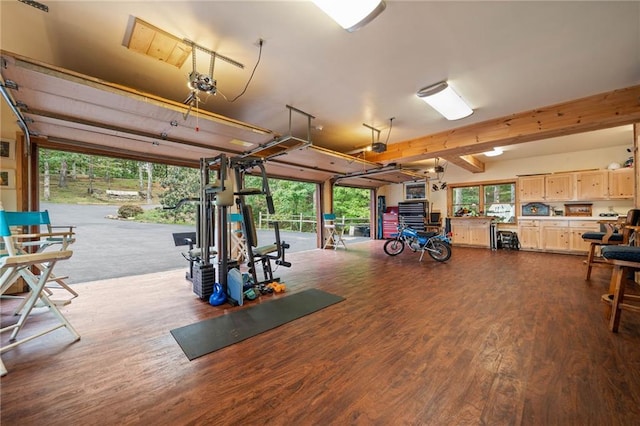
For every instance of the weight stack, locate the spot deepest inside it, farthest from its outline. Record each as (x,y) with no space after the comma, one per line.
(203,280)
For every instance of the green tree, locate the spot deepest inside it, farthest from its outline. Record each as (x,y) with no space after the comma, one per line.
(180,183)
(351,202)
(294,198)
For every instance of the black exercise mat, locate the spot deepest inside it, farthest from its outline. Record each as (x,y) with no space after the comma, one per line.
(212,334)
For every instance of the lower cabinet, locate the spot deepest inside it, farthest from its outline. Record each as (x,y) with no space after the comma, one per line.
(470,231)
(577,228)
(459,232)
(555,235)
(479,233)
(529,234)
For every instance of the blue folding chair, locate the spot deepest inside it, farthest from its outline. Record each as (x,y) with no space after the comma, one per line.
(334,232)
(45,236)
(14,265)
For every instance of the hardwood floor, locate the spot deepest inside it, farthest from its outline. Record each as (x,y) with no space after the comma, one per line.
(497,338)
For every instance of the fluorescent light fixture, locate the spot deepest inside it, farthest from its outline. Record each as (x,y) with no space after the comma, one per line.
(445,100)
(496,151)
(351,14)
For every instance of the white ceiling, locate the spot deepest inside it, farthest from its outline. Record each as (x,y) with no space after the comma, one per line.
(502,57)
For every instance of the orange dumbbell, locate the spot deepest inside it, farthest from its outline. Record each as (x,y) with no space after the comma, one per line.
(277,287)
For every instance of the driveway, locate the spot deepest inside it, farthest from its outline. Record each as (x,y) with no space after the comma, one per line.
(108,248)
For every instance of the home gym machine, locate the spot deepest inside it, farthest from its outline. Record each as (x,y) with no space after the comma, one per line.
(211,238)
(217,195)
(258,255)
(190,239)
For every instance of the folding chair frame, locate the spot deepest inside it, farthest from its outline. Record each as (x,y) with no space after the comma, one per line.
(18,264)
(335,234)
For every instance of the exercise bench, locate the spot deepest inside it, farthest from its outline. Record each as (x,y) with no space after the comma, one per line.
(263,255)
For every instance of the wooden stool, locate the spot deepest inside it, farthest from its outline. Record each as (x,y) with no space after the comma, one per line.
(616,233)
(624,259)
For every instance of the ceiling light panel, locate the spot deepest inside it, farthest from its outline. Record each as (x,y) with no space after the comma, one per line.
(353,14)
(158,44)
(494,153)
(445,100)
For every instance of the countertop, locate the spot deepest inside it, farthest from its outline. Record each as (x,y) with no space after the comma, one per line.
(611,218)
(572,218)
(470,217)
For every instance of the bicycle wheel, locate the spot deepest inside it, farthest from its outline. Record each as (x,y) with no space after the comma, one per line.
(393,247)
(439,250)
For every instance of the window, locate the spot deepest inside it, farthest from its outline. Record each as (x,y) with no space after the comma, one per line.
(466,201)
(496,199)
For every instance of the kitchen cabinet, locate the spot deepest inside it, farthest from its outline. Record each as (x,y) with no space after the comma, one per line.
(554,235)
(576,229)
(621,183)
(559,187)
(459,232)
(479,233)
(554,187)
(592,185)
(589,185)
(473,231)
(531,188)
(529,234)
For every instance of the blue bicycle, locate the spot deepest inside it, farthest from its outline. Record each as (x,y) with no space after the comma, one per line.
(438,245)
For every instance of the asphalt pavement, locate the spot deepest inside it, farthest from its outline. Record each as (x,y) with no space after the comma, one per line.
(110,248)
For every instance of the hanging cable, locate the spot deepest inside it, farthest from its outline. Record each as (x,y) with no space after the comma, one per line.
(250,77)
(197,124)
(390,127)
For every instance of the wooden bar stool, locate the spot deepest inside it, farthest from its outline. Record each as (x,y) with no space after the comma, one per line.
(624,260)
(616,233)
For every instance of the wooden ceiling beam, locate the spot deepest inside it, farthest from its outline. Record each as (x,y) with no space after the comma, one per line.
(604,110)
(467,162)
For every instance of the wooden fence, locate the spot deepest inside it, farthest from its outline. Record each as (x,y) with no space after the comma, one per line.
(300,223)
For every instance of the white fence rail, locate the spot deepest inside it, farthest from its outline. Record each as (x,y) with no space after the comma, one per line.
(302,223)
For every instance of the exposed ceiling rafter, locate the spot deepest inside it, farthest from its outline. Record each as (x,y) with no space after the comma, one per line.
(470,163)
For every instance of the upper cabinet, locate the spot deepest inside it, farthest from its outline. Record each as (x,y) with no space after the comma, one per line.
(555,187)
(592,185)
(578,186)
(559,187)
(531,188)
(621,183)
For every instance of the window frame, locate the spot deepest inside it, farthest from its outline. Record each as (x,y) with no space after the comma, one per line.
(481,188)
